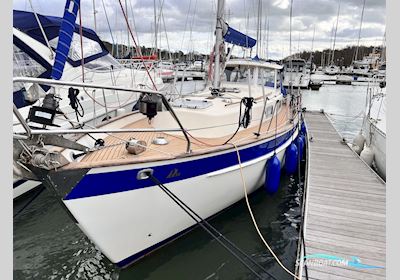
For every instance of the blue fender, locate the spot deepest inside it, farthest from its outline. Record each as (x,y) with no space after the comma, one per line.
(300,145)
(303,128)
(273,175)
(291,155)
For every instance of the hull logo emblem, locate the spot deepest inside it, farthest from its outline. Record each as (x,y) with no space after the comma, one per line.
(174,173)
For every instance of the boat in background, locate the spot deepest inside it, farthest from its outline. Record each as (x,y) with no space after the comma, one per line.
(331,70)
(295,73)
(370,143)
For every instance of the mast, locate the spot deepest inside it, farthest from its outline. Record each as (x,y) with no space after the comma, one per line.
(334,38)
(298,45)
(128,46)
(383,55)
(312,46)
(258,26)
(266,56)
(94,16)
(359,31)
(155,28)
(218,42)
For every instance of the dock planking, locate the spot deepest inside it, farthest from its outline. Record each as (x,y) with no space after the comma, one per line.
(345,208)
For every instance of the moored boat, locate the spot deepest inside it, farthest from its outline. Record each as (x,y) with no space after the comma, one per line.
(196,146)
(371,142)
(295,74)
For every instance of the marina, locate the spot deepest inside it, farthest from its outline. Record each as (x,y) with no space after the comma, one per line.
(155,142)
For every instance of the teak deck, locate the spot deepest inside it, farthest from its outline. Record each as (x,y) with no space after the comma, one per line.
(116,153)
(345,206)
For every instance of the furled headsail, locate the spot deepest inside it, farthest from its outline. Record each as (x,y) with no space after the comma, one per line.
(65,37)
(236,37)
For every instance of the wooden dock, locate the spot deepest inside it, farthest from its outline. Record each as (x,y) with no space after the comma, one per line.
(345,207)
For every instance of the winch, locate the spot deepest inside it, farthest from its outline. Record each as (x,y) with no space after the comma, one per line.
(150,104)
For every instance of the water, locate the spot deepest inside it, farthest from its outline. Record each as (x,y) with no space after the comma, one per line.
(47,245)
(344,104)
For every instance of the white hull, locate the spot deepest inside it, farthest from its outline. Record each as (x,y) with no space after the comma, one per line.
(375,129)
(299,81)
(128,224)
(378,144)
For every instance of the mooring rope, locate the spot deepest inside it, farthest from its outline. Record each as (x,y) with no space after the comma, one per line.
(254,220)
(211,230)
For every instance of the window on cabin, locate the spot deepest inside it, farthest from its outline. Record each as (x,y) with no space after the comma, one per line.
(103,63)
(235,74)
(266,77)
(268,111)
(90,48)
(24,65)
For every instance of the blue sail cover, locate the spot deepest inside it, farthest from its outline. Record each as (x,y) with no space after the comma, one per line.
(238,38)
(65,37)
(26,23)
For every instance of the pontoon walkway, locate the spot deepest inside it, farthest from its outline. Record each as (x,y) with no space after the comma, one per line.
(345,207)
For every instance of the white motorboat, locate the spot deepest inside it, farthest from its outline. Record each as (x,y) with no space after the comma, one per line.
(196,146)
(295,74)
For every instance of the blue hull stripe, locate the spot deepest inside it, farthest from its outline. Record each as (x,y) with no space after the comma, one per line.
(125,180)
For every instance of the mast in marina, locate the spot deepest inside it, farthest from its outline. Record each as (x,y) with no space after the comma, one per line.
(218,43)
(334,38)
(94,16)
(155,28)
(359,32)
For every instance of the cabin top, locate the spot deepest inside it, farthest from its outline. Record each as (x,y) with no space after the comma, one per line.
(252,63)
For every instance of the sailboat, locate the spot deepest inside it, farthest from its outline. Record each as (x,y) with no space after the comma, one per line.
(370,143)
(195,146)
(333,69)
(35,38)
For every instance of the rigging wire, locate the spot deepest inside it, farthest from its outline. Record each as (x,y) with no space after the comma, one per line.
(108,24)
(190,43)
(334,39)
(134,26)
(166,37)
(186,21)
(42,30)
(134,41)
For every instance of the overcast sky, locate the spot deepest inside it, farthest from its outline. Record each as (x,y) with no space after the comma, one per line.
(190,24)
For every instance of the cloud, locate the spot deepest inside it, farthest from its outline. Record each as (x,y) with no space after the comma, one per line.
(195,19)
